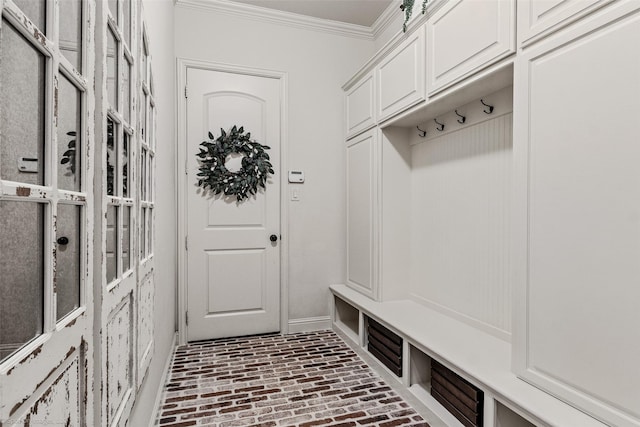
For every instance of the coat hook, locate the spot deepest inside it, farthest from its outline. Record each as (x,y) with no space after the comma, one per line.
(487,105)
(421,133)
(462,118)
(440,126)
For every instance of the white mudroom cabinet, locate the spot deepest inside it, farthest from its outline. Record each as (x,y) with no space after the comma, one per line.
(496,214)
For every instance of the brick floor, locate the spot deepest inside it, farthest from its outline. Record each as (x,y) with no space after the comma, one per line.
(307,379)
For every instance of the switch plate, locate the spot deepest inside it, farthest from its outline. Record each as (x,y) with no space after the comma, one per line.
(296,177)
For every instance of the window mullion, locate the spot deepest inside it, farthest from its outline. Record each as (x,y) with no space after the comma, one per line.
(52,109)
(28,29)
(49,309)
(2,190)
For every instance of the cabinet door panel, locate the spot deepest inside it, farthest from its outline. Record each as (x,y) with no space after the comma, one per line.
(538,18)
(401,77)
(360,215)
(359,106)
(580,234)
(466,36)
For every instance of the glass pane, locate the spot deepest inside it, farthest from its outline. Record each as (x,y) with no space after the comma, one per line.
(152,142)
(145,110)
(145,59)
(21,273)
(112,69)
(150,231)
(68,266)
(143,175)
(126,92)
(126,238)
(22,112)
(125,165)
(69,143)
(36,11)
(112,242)
(112,159)
(126,25)
(71,31)
(113,8)
(150,173)
(143,233)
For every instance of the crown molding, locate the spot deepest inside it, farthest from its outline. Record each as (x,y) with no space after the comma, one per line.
(387,18)
(414,24)
(279,17)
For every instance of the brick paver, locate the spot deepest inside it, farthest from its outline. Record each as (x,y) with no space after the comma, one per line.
(307,379)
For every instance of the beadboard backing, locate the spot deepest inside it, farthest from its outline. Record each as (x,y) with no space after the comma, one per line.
(460,222)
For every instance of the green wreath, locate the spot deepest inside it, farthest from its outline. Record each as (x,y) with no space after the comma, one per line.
(254,172)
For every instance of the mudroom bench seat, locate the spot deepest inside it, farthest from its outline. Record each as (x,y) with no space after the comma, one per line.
(429,339)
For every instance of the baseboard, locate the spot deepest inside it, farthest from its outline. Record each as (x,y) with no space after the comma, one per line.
(309,324)
(163,381)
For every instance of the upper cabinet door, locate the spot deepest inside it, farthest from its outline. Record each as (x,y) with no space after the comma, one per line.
(401,77)
(537,19)
(465,36)
(359,106)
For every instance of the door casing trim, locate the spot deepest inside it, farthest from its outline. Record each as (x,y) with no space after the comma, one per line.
(182,65)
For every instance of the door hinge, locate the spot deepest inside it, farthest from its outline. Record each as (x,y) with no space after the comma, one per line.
(186,243)
(186,315)
(186,93)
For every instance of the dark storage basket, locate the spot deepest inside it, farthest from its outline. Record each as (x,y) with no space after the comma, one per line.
(385,346)
(461,398)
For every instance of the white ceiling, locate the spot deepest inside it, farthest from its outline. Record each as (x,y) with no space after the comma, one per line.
(360,12)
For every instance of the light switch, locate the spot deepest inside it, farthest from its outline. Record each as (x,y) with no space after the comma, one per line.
(295,195)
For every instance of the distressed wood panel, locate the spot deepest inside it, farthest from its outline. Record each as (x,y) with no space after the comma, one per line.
(146,299)
(60,398)
(119,358)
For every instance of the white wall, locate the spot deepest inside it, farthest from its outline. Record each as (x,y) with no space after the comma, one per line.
(318,64)
(159,18)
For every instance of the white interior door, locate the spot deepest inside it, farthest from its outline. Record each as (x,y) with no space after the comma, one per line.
(233,268)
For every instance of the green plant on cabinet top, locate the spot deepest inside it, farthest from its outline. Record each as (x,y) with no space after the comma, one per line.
(407,8)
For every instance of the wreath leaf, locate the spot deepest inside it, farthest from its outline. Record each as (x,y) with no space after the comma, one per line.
(253,173)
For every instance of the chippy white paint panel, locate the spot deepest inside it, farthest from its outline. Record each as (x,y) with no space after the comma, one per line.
(59,399)
(146,298)
(118,360)
(60,403)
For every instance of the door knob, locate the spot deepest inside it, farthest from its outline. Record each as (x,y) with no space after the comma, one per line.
(273,238)
(63,241)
